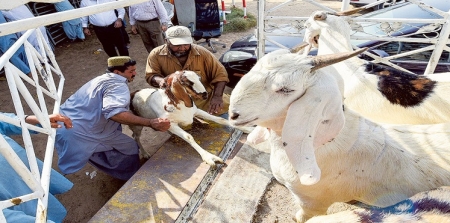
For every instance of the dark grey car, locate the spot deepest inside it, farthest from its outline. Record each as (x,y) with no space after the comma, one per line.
(241,56)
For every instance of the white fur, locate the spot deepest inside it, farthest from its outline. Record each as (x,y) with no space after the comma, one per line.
(154,103)
(361,93)
(324,153)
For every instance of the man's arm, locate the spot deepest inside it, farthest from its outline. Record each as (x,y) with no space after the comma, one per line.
(162,13)
(216,103)
(157,81)
(54,119)
(153,74)
(220,79)
(84,19)
(120,13)
(128,118)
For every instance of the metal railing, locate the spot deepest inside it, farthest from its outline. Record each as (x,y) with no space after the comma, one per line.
(43,67)
(44,88)
(269,22)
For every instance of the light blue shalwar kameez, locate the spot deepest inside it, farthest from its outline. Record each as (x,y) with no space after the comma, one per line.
(23,12)
(94,136)
(19,59)
(11,185)
(72,28)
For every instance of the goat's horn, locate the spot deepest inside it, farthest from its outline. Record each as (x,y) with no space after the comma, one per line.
(299,47)
(349,12)
(326,60)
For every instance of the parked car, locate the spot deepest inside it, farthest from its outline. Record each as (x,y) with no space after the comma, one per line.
(240,58)
(359,3)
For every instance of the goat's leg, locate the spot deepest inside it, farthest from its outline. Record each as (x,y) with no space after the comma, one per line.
(137,130)
(206,156)
(309,209)
(205,115)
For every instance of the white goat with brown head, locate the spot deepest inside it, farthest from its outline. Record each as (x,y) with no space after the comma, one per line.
(175,103)
(377,92)
(321,150)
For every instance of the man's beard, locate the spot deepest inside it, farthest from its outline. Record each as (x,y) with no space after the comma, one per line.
(178,55)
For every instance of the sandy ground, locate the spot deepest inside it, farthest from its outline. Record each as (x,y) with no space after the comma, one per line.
(92,189)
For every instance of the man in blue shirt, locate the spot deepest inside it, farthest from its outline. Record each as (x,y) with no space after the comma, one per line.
(73,27)
(97,111)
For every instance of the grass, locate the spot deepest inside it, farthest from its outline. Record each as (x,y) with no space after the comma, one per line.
(236,21)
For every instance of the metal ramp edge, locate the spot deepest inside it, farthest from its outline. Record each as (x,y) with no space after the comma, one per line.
(194,202)
(236,194)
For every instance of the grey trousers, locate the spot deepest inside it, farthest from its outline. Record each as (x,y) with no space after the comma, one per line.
(151,34)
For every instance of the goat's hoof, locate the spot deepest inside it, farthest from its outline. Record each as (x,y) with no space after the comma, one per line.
(214,161)
(300,216)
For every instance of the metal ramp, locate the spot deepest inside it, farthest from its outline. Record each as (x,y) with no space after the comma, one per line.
(171,184)
(175,186)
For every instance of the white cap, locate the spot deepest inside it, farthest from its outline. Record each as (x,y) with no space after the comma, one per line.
(179,35)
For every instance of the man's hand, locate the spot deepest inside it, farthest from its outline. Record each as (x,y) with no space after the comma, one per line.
(55,118)
(160,124)
(215,105)
(118,23)
(164,28)
(158,81)
(133,29)
(86,31)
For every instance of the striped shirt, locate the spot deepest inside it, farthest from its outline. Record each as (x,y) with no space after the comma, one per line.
(148,10)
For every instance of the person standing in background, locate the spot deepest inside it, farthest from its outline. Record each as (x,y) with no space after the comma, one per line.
(150,20)
(107,27)
(126,37)
(72,28)
(23,12)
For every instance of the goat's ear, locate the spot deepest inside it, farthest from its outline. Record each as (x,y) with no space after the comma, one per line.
(311,121)
(258,135)
(297,138)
